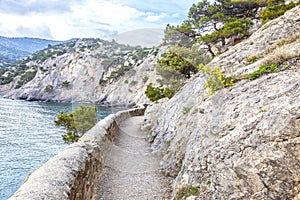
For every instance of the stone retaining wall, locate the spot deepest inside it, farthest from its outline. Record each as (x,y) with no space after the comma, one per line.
(72,173)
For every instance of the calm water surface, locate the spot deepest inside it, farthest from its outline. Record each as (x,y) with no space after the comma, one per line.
(28,138)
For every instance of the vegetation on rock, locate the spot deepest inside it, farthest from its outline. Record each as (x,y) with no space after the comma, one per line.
(156,93)
(275,9)
(216,79)
(210,23)
(173,62)
(185,192)
(262,70)
(25,78)
(48,88)
(65,84)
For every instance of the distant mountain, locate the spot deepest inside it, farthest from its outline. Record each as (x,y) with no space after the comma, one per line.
(13,49)
(85,70)
(147,37)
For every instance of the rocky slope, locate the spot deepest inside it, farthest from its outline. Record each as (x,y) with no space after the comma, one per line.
(89,70)
(242,142)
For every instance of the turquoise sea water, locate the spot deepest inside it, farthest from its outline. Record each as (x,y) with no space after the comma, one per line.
(28,138)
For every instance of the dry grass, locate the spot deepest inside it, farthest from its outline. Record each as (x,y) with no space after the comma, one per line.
(278,56)
(283,42)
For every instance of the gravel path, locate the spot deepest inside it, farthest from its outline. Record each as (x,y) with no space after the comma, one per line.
(131,170)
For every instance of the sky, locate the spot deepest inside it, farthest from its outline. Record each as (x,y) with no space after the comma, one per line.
(63,20)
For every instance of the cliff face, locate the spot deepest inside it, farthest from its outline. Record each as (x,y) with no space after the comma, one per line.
(92,71)
(243,142)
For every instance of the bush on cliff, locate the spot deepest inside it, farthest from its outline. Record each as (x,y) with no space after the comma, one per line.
(77,122)
(216,79)
(173,62)
(276,9)
(156,93)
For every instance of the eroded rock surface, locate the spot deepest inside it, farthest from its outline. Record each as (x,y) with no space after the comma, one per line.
(242,142)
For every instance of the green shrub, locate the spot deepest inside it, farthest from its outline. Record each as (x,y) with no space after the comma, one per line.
(186,192)
(48,88)
(216,80)
(168,143)
(169,92)
(119,72)
(25,78)
(154,93)
(65,84)
(262,110)
(77,122)
(186,110)
(5,80)
(262,70)
(173,62)
(274,11)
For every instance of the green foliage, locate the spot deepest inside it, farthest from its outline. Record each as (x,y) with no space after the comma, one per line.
(186,110)
(118,72)
(191,54)
(25,78)
(168,143)
(154,93)
(48,88)
(183,34)
(140,54)
(85,118)
(232,27)
(5,79)
(275,9)
(262,70)
(262,110)
(206,16)
(173,62)
(65,84)
(77,122)
(186,192)
(169,92)
(252,59)
(216,79)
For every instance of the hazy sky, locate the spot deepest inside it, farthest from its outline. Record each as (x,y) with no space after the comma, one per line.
(61,20)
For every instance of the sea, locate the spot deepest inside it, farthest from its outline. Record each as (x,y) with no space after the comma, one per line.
(29,137)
